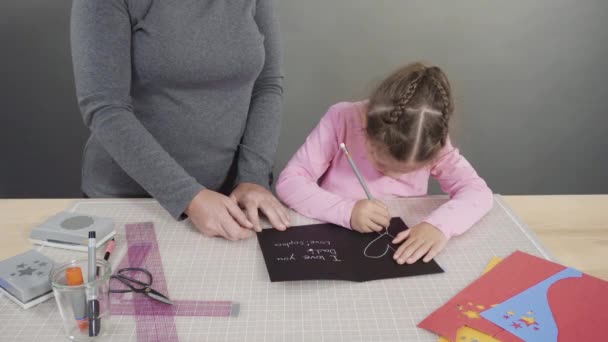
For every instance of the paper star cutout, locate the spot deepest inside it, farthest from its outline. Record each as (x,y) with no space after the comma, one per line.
(21,266)
(471,314)
(27,271)
(511,313)
(528,320)
(42,264)
(481,307)
(516,325)
(506,316)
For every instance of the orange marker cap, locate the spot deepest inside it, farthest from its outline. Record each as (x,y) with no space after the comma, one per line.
(83,324)
(73,276)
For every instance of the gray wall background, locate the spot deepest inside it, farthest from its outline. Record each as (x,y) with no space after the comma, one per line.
(530,78)
(41,133)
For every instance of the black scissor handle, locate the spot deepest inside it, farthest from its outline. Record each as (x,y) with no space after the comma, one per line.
(129,281)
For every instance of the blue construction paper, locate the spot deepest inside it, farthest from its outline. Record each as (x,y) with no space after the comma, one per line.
(528,315)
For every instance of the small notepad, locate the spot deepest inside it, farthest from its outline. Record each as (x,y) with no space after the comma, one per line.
(70,231)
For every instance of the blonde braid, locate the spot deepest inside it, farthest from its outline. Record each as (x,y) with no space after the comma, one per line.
(445,101)
(398,111)
(444,95)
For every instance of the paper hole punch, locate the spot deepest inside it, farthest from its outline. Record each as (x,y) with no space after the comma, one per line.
(24,278)
(70,231)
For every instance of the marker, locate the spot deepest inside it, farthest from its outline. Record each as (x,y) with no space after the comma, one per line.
(357,173)
(73,276)
(92,303)
(109,251)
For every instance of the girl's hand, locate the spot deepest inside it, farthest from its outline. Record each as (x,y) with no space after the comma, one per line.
(369,216)
(424,238)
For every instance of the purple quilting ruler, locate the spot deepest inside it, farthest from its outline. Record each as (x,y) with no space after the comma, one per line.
(154,320)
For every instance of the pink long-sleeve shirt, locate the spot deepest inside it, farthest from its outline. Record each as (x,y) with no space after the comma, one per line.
(318,181)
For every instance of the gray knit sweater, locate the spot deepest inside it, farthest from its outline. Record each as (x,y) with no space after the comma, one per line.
(178,95)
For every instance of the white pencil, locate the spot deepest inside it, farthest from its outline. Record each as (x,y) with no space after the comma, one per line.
(357,173)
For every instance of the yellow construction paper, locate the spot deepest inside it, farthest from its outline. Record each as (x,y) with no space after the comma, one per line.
(495,260)
(466,334)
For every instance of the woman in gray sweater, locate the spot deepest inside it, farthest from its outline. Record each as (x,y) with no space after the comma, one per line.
(183,101)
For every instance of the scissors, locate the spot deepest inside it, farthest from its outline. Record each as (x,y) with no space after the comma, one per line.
(132,283)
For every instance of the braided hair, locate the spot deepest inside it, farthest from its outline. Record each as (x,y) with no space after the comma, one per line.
(401,106)
(417,102)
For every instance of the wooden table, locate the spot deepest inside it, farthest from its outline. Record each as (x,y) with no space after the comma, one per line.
(573,228)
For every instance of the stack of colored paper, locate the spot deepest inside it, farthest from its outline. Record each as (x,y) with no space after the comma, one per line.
(525,298)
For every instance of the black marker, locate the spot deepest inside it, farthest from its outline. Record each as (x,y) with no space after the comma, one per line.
(92,303)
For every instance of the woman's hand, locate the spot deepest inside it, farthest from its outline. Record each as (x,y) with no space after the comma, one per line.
(253,197)
(369,216)
(422,239)
(214,214)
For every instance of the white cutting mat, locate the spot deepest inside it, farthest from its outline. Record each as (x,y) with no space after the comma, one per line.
(200,268)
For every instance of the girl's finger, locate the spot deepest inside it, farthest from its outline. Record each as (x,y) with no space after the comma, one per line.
(381,211)
(374,226)
(419,252)
(381,220)
(435,249)
(381,204)
(407,253)
(402,248)
(365,230)
(401,236)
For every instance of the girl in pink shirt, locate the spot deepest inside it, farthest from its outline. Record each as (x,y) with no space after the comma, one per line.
(398,138)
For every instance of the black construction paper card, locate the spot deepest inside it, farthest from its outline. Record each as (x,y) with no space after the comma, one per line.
(327,251)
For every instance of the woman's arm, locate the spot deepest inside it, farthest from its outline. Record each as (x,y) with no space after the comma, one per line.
(470,197)
(259,144)
(297,185)
(101,53)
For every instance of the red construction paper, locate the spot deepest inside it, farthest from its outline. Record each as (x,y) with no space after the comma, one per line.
(578,304)
(580,308)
